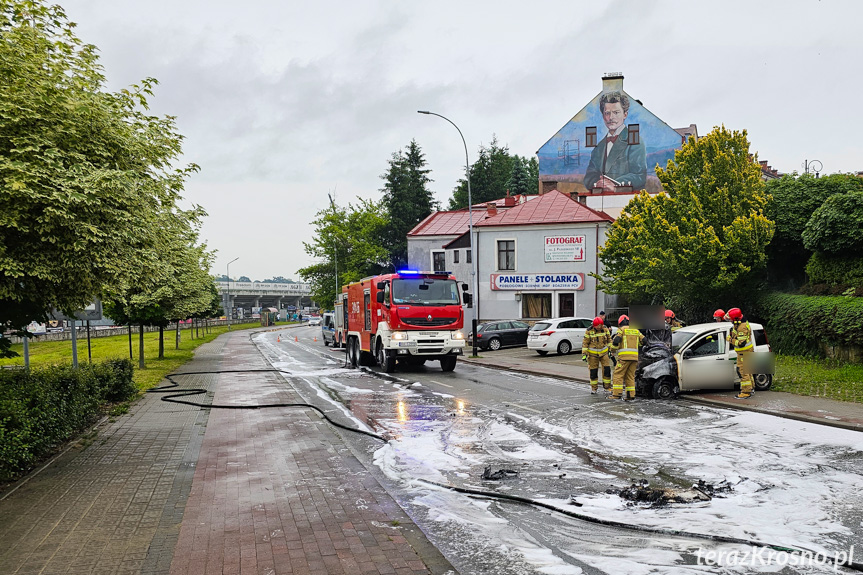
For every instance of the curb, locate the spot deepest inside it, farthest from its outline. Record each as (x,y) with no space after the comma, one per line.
(738,406)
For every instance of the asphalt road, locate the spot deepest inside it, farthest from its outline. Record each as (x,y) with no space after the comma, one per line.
(772,480)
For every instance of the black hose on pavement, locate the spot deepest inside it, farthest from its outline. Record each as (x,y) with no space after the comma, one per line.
(176,395)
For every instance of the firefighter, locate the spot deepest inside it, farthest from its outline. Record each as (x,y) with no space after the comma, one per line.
(672,320)
(594,350)
(626,343)
(719,316)
(741,338)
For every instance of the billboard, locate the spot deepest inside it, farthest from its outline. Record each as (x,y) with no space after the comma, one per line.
(612,145)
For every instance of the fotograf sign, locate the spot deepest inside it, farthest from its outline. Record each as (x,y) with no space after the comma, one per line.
(537,282)
(564,248)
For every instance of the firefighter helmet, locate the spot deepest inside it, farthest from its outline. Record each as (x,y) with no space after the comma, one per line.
(719,313)
(669,314)
(622,319)
(597,321)
(735,314)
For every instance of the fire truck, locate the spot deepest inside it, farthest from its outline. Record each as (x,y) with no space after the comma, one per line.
(409,317)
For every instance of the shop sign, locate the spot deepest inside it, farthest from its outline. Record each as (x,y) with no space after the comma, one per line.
(537,281)
(564,248)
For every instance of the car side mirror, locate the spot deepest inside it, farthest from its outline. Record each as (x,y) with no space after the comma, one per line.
(468,299)
(382,285)
(464,287)
(380,297)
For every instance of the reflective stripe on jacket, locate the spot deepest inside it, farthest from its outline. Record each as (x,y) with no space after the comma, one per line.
(596,341)
(741,337)
(629,339)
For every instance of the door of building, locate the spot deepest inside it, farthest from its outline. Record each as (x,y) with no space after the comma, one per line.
(566,305)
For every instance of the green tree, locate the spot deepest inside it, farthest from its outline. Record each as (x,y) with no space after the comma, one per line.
(407,200)
(533,175)
(702,239)
(83,172)
(794,199)
(489,176)
(835,227)
(519,180)
(351,239)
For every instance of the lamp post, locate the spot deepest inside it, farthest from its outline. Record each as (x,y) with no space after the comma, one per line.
(229,306)
(812,166)
(335,251)
(470,228)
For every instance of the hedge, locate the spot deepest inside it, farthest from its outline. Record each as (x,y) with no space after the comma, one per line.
(41,408)
(835,270)
(799,324)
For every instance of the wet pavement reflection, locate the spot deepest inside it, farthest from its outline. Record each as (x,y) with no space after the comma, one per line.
(789,482)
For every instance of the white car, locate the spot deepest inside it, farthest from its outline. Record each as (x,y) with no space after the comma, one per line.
(703,359)
(561,334)
(315,320)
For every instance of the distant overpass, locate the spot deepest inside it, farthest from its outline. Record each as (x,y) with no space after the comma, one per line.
(259,294)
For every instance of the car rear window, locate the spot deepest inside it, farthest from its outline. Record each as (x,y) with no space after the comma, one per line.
(539,326)
(760,336)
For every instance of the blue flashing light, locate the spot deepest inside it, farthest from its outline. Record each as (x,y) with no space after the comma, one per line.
(408,272)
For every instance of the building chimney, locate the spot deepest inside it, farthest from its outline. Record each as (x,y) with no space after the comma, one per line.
(492,209)
(612,82)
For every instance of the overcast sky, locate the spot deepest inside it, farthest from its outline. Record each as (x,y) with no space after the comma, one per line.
(282,102)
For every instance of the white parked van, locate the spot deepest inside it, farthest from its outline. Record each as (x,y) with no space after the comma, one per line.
(328,328)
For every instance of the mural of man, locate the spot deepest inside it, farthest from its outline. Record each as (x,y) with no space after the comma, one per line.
(616,162)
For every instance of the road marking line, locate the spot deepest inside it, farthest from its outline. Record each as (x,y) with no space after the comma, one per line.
(527,408)
(439,383)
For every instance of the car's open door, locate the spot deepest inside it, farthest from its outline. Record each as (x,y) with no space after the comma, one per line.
(704,363)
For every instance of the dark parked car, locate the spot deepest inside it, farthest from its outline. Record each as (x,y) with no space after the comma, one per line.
(497,334)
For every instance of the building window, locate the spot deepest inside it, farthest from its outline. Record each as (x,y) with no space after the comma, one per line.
(590,137)
(506,254)
(536,305)
(455,256)
(469,258)
(633,139)
(439,261)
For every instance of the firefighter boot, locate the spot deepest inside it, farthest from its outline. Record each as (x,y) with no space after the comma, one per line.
(594,380)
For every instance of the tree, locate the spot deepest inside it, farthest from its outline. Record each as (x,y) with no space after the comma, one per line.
(702,239)
(83,172)
(794,199)
(172,281)
(407,200)
(350,237)
(244,279)
(488,176)
(279,280)
(519,180)
(835,227)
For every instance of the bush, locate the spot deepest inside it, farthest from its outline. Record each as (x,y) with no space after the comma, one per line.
(800,324)
(43,407)
(835,270)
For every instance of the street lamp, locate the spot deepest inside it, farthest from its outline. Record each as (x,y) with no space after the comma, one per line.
(812,166)
(470,227)
(335,250)
(229,307)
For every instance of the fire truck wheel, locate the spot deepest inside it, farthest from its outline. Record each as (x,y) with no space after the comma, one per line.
(353,352)
(386,360)
(447,362)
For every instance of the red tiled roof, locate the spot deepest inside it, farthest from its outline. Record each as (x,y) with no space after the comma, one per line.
(550,208)
(445,223)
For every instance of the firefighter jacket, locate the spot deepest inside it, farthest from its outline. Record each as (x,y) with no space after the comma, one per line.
(596,341)
(741,337)
(626,343)
(675,324)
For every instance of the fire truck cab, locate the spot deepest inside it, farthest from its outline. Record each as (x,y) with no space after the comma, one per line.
(407,317)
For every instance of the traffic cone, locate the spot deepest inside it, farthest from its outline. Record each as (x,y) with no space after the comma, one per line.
(296,338)
(278,339)
(316,338)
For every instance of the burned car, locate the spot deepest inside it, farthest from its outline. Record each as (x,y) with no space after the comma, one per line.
(696,357)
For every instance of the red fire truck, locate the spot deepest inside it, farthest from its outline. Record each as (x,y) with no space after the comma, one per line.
(407,316)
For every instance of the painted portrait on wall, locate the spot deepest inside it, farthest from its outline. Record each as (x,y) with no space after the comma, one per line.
(612,145)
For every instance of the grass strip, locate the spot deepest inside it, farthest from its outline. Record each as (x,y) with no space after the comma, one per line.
(819,377)
(117,347)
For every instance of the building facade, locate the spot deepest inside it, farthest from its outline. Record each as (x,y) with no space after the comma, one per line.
(609,150)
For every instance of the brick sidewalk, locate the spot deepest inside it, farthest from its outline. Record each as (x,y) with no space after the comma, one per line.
(175,489)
